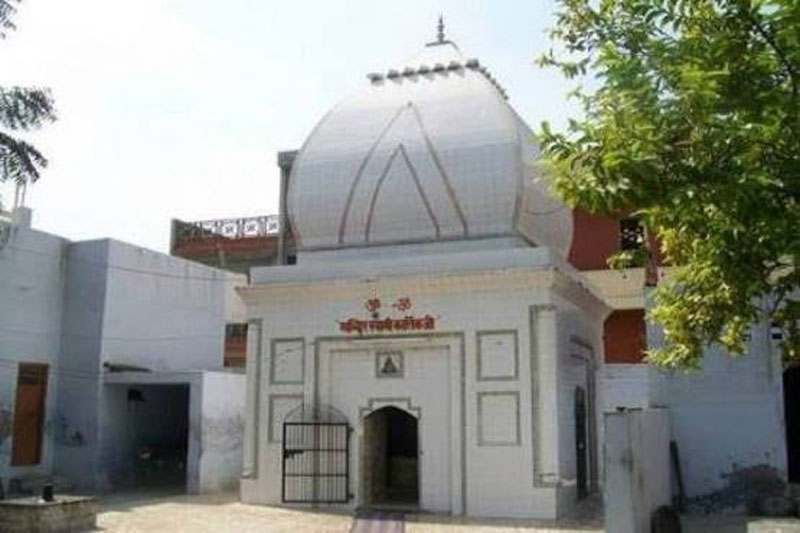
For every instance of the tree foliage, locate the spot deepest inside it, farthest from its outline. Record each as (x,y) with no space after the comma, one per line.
(692,122)
(21,109)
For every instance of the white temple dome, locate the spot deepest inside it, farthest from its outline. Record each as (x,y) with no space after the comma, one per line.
(427,151)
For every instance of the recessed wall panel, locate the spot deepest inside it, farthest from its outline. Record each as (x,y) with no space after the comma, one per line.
(287,361)
(497,355)
(498,418)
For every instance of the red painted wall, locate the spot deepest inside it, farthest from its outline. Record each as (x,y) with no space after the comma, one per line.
(594,238)
(625,336)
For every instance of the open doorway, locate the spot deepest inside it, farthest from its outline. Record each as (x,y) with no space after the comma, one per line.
(791,406)
(148,437)
(390,458)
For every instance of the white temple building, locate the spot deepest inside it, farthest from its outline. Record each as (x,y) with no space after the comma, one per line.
(434,347)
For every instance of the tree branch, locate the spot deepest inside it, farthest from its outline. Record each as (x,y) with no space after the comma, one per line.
(782,57)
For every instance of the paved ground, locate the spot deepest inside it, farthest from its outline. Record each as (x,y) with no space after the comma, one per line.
(218,514)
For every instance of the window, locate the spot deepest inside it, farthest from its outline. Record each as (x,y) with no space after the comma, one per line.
(631,234)
(29,414)
(235,345)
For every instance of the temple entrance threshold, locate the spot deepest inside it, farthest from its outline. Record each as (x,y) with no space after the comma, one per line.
(390,459)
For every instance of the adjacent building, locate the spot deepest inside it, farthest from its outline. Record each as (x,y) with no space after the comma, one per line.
(112,366)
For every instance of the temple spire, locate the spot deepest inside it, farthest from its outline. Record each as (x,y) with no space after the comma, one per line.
(440,36)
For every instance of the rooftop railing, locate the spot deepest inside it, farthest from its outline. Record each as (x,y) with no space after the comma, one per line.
(229,228)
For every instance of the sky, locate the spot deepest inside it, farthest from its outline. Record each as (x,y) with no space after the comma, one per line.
(177,108)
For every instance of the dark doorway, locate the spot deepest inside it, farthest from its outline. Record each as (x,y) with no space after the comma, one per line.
(390,458)
(29,413)
(581,450)
(147,438)
(791,406)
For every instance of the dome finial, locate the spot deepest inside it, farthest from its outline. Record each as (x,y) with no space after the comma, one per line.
(440,29)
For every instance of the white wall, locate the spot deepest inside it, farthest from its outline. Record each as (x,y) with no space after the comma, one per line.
(466,298)
(222,431)
(637,468)
(31,290)
(727,417)
(78,438)
(163,313)
(728,422)
(626,385)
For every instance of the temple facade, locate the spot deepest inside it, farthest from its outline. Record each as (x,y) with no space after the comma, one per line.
(442,342)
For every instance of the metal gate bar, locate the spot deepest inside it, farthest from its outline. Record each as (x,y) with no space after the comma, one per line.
(316,462)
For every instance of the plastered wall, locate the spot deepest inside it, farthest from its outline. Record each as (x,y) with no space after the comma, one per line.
(511,463)
(637,468)
(222,431)
(32,275)
(726,418)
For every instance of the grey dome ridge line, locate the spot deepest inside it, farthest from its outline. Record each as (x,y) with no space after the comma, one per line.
(360,171)
(418,185)
(432,151)
(435,144)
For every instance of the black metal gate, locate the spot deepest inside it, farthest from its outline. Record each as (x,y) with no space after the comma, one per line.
(316,457)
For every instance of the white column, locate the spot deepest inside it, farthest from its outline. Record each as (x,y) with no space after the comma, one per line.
(546,400)
(251,429)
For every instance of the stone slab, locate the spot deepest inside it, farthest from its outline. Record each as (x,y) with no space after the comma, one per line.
(65,514)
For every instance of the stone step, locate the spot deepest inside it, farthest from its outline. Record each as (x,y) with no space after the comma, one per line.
(773,525)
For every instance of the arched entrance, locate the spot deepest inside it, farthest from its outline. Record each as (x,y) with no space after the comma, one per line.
(791,406)
(390,458)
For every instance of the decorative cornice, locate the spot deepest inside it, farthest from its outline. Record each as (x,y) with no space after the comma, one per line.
(444,283)
(437,68)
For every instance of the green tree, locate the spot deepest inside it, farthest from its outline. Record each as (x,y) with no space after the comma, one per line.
(21,109)
(691,121)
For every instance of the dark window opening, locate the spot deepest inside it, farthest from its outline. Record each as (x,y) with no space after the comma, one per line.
(235,345)
(135,395)
(776,331)
(631,234)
